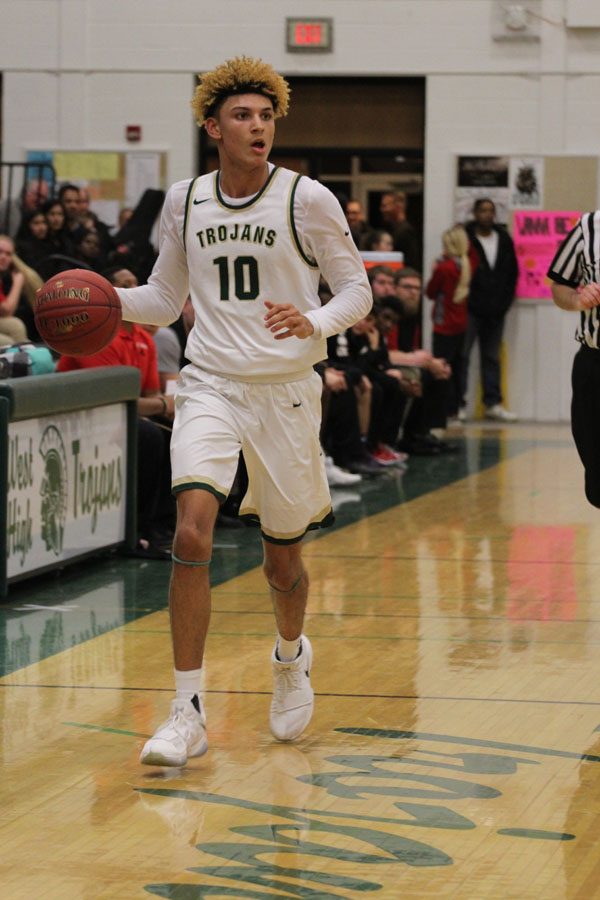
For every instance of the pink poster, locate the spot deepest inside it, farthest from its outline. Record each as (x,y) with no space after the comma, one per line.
(537,236)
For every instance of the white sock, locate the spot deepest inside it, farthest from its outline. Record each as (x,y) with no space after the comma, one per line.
(287,650)
(188,683)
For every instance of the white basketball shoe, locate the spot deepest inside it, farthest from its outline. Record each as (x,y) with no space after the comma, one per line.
(181,736)
(293,696)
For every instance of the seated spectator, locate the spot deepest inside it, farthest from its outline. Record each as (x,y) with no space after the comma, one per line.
(32,243)
(381,279)
(133,346)
(425,379)
(68,195)
(125,214)
(168,350)
(347,406)
(368,351)
(88,250)
(58,235)
(346,412)
(380,241)
(448,287)
(12,282)
(132,246)
(92,222)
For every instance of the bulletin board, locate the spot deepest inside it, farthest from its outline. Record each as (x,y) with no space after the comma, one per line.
(537,198)
(114,179)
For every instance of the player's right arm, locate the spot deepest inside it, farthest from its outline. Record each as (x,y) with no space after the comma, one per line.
(161,301)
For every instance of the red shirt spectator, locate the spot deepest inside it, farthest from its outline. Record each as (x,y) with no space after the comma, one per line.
(132,346)
(448,316)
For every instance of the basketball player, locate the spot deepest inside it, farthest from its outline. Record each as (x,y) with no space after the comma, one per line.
(575,273)
(248,243)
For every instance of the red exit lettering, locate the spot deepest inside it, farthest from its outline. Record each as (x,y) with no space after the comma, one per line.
(308,34)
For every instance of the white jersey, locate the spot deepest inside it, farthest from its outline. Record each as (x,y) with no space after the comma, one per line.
(233,255)
(238,257)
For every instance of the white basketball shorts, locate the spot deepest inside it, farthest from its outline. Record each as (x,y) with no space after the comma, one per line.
(277,428)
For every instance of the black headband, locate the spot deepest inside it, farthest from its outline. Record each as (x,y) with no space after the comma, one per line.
(236,91)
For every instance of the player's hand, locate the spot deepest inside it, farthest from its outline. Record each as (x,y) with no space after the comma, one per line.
(282,316)
(589,296)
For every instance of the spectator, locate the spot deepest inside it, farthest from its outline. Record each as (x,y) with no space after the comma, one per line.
(381,242)
(91,221)
(133,346)
(367,347)
(350,404)
(31,242)
(69,196)
(448,287)
(132,246)
(88,250)
(491,294)
(408,288)
(392,207)
(124,216)
(12,282)
(58,235)
(360,230)
(381,279)
(34,195)
(425,374)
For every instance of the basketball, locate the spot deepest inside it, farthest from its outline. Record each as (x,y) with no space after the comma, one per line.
(77,312)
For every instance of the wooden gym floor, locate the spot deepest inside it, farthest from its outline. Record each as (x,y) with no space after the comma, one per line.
(455,747)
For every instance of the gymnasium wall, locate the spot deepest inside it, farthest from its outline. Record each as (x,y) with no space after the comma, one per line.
(77,71)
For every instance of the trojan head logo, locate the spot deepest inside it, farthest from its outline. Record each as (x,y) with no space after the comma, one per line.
(54,489)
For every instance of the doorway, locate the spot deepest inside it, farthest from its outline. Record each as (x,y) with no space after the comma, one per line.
(357,136)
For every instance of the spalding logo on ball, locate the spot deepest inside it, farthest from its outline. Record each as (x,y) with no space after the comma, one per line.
(77,312)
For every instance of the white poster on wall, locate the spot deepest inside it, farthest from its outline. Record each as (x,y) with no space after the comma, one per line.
(526,182)
(478,178)
(66,486)
(142,172)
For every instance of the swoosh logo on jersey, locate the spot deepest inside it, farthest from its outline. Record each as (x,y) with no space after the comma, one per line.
(296,405)
(196,202)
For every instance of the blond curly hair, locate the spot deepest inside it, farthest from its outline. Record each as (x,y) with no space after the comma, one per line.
(240,75)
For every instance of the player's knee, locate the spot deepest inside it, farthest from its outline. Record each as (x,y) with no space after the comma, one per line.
(284,574)
(192,543)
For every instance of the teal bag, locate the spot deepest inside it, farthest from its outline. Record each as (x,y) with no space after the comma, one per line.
(25,359)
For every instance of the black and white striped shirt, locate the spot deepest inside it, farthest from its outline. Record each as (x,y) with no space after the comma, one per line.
(577,261)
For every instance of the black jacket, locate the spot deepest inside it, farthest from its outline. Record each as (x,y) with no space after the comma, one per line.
(492,291)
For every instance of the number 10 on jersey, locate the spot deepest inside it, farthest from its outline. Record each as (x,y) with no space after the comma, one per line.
(245,277)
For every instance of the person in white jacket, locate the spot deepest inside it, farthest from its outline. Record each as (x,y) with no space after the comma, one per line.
(248,243)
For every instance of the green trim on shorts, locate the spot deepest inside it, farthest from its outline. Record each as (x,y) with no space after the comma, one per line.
(253,519)
(199,486)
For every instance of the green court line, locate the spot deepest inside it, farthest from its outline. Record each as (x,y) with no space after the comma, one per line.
(107,730)
(536,834)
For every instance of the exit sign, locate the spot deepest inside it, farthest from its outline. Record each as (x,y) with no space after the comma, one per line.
(312,35)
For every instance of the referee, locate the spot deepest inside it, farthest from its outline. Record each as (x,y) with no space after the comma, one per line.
(575,276)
